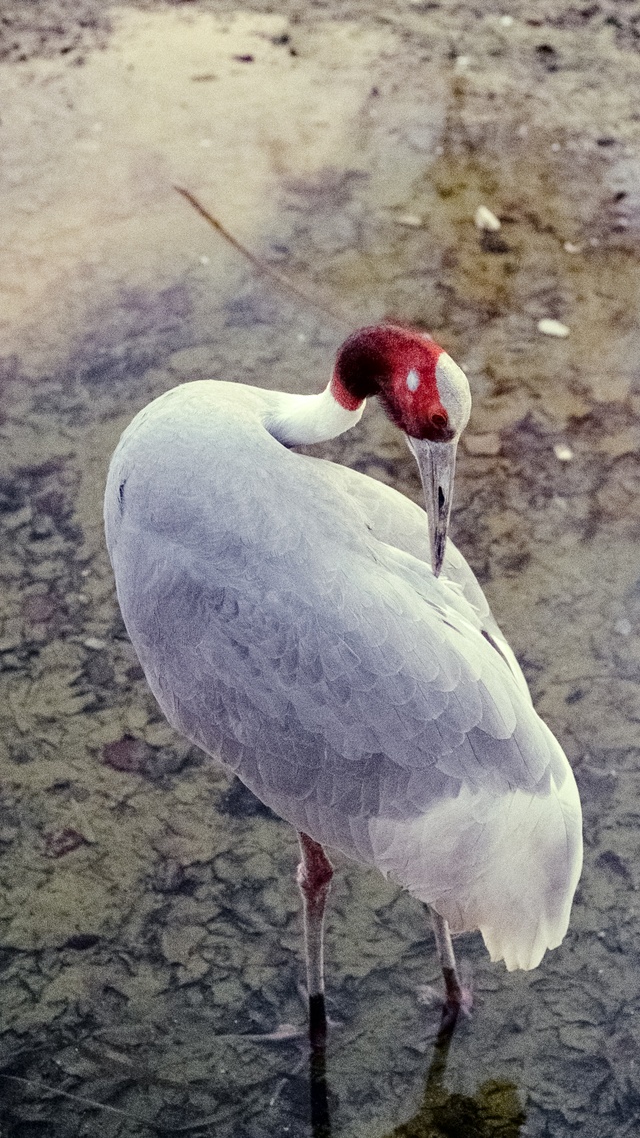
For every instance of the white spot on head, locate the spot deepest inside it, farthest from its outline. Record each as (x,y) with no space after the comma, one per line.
(453,389)
(413,380)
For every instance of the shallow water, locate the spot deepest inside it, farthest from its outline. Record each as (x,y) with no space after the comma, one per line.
(152,959)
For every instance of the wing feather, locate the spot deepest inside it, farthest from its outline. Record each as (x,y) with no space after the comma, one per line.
(312,650)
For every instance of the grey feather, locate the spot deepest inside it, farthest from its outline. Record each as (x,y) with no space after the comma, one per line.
(287,619)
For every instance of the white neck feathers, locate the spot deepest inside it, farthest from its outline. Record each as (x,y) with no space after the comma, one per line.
(296,420)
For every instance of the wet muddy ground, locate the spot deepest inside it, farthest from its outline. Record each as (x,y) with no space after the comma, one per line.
(151,940)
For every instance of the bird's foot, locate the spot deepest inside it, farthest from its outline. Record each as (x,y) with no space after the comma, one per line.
(454,1006)
(458,1000)
(458,994)
(431,997)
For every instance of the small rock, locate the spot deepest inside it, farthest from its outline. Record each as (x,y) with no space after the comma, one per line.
(550,327)
(562,452)
(477,445)
(61,842)
(38,609)
(623,627)
(127,754)
(485,219)
(94,643)
(412,220)
(569,247)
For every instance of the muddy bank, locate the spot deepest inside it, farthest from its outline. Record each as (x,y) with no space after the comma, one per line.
(148,913)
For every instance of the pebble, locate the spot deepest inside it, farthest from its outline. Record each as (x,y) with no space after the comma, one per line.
(562,452)
(550,327)
(488,444)
(94,643)
(412,220)
(127,754)
(484,219)
(569,247)
(623,627)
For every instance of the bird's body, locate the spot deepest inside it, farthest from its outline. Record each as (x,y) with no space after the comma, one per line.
(289,622)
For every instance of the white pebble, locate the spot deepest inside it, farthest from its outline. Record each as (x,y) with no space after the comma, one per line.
(623,627)
(205,142)
(569,247)
(463,61)
(562,452)
(553,328)
(410,219)
(485,219)
(94,643)
(506,21)
(204,260)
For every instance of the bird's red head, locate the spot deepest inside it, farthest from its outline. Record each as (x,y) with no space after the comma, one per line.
(420,387)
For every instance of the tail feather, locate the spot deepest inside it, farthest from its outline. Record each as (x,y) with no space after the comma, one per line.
(506,865)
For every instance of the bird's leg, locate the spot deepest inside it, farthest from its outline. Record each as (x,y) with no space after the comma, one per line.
(455,996)
(314,881)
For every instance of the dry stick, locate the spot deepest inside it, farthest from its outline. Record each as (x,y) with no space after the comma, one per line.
(260,266)
(184,1128)
(38,1086)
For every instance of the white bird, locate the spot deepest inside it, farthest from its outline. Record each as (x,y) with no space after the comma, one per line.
(305,625)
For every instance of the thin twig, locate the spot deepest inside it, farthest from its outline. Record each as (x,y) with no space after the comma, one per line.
(36,1086)
(163,1128)
(261,266)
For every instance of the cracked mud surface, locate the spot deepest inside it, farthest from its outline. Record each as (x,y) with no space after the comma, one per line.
(148,914)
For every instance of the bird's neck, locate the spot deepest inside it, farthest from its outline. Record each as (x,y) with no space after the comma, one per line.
(295,420)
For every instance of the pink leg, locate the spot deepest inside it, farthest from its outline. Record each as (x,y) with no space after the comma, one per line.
(314,881)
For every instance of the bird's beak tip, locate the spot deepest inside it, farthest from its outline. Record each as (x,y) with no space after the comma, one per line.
(436,462)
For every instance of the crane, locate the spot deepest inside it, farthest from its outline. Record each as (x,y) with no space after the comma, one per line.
(308,627)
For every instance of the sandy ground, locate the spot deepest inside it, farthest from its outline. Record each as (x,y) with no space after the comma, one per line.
(147,908)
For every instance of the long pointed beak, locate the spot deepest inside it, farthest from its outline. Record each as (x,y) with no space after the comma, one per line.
(437,464)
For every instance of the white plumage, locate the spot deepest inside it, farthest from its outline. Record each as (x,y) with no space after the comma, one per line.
(289,622)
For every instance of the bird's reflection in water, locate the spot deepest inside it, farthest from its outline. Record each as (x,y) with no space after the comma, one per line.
(494,1111)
